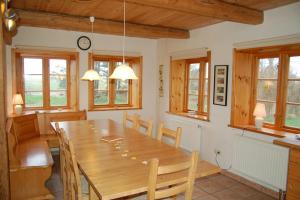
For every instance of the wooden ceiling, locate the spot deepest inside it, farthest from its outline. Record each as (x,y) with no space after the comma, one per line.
(145,18)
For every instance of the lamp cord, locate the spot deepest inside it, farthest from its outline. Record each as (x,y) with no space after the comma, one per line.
(124,10)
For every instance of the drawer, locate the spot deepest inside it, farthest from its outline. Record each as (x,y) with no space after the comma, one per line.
(294,171)
(293,191)
(295,156)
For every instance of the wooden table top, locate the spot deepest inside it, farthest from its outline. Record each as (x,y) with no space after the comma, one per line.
(117,169)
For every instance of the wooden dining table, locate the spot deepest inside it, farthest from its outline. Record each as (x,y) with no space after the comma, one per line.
(115,159)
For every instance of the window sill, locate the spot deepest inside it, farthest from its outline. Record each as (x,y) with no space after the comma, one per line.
(114,108)
(190,115)
(28,112)
(264,131)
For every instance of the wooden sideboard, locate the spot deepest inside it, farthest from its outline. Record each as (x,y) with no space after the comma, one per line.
(293,182)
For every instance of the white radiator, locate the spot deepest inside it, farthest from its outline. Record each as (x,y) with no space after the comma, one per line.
(264,162)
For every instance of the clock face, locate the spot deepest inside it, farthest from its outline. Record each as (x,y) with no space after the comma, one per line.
(84,43)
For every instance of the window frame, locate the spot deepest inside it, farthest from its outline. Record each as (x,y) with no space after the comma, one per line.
(201,93)
(45,80)
(282,87)
(111,105)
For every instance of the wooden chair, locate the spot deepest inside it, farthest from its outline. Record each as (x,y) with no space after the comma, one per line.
(59,133)
(71,176)
(185,186)
(147,125)
(176,135)
(130,118)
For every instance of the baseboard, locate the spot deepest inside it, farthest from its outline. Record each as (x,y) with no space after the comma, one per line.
(252,184)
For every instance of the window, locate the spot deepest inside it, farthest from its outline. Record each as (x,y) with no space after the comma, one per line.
(270,76)
(189,89)
(110,93)
(197,82)
(45,82)
(44,79)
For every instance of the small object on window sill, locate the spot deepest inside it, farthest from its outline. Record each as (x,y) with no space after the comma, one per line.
(298,137)
(59,109)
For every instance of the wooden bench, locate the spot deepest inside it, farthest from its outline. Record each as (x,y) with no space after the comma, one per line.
(30,138)
(30,159)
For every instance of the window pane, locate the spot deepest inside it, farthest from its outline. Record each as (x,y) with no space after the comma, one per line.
(58,82)
(121,97)
(270,111)
(121,85)
(206,87)
(58,98)
(33,66)
(58,66)
(193,102)
(205,104)
(268,68)
(293,94)
(292,116)
(266,90)
(33,82)
(100,97)
(102,67)
(294,69)
(194,70)
(33,99)
(193,87)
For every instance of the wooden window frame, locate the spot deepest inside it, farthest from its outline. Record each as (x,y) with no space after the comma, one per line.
(45,81)
(241,117)
(201,79)
(178,86)
(112,86)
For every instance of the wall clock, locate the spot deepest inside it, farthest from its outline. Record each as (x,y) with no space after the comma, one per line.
(84,43)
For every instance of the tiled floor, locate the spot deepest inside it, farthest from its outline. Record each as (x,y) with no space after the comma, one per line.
(217,187)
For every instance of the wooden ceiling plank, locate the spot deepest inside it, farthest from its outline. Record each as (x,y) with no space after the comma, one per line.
(212,8)
(66,22)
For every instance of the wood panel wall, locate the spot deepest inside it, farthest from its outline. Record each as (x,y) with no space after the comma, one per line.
(242,86)
(177,77)
(4,180)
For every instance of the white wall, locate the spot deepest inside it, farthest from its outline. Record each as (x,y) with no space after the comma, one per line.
(220,39)
(59,39)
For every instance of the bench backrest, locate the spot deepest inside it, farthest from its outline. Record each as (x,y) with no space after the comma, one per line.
(25,127)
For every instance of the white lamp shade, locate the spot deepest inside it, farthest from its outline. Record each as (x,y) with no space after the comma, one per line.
(123,72)
(260,110)
(91,75)
(17,99)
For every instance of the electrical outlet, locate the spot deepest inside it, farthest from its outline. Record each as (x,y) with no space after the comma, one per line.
(217,151)
(198,126)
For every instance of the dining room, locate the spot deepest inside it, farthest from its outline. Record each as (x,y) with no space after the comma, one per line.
(154,99)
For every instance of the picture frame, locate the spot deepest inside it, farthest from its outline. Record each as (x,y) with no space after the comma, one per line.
(220,85)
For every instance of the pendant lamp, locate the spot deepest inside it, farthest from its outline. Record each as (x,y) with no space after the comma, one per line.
(123,71)
(91,75)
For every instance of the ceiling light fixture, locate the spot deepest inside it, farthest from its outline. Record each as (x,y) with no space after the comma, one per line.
(91,75)
(123,71)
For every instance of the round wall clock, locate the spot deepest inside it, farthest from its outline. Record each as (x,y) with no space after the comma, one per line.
(84,43)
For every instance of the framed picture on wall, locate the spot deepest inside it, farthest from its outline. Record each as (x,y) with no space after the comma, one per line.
(220,85)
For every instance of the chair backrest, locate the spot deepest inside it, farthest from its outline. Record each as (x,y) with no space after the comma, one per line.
(130,118)
(176,135)
(71,171)
(25,127)
(147,125)
(185,186)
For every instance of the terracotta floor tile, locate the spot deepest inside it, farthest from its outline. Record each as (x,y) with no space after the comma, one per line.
(260,196)
(209,197)
(244,190)
(210,186)
(228,195)
(224,180)
(199,193)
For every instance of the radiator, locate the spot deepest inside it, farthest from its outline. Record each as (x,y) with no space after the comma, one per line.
(262,161)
